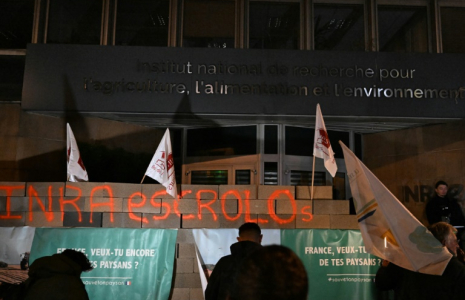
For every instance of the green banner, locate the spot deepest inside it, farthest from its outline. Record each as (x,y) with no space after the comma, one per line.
(134,264)
(337,264)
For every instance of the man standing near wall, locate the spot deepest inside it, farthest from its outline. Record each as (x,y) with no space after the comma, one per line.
(249,240)
(442,209)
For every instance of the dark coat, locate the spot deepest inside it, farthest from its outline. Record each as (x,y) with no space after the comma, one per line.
(409,285)
(55,277)
(438,207)
(225,270)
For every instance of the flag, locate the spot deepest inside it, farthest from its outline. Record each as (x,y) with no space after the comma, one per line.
(161,168)
(321,145)
(76,169)
(388,229)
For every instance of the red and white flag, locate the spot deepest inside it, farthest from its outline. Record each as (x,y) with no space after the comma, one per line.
(76,170)
(321,145)
(161,168)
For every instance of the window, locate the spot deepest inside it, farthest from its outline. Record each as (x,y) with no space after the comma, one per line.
(402,29)
(222,141)
(16,17)
(74,22)
(452,27)
(243,177)
(274,25)
(270,173)
(271,139)
(212,177)
(142,23)
(209,23)
(299,141)
(339,27)
(305,178)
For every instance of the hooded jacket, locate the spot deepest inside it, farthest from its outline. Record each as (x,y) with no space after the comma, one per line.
(55,277)
(225,270)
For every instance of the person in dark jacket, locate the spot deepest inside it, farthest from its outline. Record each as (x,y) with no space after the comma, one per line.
(414,285)
(249,240)
(58,277)
(443,209)
(273,272)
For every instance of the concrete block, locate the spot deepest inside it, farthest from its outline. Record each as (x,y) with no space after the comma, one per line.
(161,221)
(196,294)
(39,219)
(206,221)
(285,206)
(283,221)
(15,204)
(259,207)
(182,206)
(46,188)
(16,189)
(122,220)
(186,250)
(39,203)
(74,219)
(86,189)
(218,206)
(206,192)
(331,207)
(137,204)
(185,265)
(277,192)
(14,220)
(103,204)
(180,294)
(124,190)
(187,281)
(231,191)
(344,222)
(317,221)
(157,191)
(230,221)
(319,192)
(74,204)
(185,236)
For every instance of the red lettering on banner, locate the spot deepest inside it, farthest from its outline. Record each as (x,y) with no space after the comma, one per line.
(111,203)
(163,204)
(33,193)
(310,215)
(272,211)
(71,202)
(141,204)
(223,205)
(206,205)
(9,192)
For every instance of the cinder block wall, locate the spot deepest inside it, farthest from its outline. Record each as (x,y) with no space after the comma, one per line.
(410,161)
(58,204)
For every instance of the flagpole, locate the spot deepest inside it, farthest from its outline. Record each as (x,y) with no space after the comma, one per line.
(313,177)
(142,179)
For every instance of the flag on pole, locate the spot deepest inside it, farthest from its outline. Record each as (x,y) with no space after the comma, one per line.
(76,170)
(321,145)
(388,229)
(161,168)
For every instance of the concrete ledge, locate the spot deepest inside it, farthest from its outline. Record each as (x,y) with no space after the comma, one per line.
(16,189)
(40,219)
(103,204)
(161,221)
(151,189)
(139,205)
(331,207)
(266,222)
(319,192)
(344,222)
(190,191)
(266,191)
(121,220)
(317,222)
(46,188)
